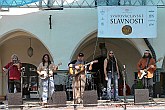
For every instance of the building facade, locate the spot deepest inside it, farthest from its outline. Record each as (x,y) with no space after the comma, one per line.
(65,33)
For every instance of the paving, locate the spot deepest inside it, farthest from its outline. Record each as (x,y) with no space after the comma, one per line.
(154,104)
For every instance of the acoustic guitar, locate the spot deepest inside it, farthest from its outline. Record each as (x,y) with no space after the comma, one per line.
(45,75)
(146,73)
(81,67)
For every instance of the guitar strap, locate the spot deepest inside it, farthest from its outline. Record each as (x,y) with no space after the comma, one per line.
(148,61)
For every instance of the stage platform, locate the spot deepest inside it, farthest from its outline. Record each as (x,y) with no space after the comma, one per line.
(34,104)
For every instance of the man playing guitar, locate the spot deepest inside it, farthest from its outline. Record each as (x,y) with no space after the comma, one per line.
(146,68)
(79,77)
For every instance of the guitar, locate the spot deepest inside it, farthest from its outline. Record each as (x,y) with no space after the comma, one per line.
(45,75)
(146,73)
(81,67)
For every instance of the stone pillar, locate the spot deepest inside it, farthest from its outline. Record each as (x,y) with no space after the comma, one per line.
(1,83)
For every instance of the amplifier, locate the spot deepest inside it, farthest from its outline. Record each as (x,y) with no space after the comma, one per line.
(90,98)
(141,95)
(34,94)
(15,99)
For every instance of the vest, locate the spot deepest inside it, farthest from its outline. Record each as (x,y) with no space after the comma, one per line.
(111,65)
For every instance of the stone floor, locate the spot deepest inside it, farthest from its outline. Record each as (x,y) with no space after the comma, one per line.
(155,104)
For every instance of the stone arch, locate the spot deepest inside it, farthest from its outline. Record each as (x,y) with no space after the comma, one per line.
(127,51)
(17,41)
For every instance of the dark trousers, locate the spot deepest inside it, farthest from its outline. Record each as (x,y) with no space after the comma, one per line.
(148,84)
(14,83)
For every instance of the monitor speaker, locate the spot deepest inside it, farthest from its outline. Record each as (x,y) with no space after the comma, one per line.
(14,99)
(58,99)
(90,98)
(141,95)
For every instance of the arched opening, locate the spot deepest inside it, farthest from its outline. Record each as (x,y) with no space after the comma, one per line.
(127,52)
(30,80)
(17,42)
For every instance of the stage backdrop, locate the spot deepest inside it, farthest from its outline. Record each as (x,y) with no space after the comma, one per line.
(127,21)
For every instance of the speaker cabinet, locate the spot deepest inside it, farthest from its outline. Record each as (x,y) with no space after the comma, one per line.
(15,99)
(90,98)
(141,95)
(157,90)
(58,98)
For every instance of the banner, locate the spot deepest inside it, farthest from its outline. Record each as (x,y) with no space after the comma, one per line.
(127,21)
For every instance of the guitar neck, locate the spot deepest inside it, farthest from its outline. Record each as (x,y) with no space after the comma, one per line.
(152,64)
(95,61)
(87,64)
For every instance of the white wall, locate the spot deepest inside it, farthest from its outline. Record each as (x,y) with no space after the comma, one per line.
(69,26)
(159,42)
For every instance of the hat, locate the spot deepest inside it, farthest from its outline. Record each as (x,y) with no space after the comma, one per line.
(80,54)
(147,51)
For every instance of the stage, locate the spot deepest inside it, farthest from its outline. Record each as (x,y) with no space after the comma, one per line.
(34,104)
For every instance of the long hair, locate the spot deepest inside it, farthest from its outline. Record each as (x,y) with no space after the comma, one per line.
(108,57)
(14,57)
(43,60)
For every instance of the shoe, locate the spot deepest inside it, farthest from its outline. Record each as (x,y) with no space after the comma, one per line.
(44,104)
(117,99)
(151,98)
(110,99)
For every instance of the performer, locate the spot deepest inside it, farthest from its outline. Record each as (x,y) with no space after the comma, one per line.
(13,69)
(78,83)
(45,71)
(111,71)
(146,66)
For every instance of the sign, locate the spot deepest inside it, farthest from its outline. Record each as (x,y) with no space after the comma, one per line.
(127,21)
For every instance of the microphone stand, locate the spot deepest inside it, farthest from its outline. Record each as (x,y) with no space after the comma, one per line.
(124,75)
(125,100)
(74,94)
(22,74)
(8,89)
(48,98)
(8,70)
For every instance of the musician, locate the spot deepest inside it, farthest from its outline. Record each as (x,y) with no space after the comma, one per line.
(79,81)
(13,70)
(145,62)
(111,72)
(46,67)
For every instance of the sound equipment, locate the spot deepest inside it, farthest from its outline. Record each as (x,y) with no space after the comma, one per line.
(58,98)
(157,90)
(14,99)
(141,95)
(90,98)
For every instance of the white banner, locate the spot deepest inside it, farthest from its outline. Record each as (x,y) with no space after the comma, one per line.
(127,21)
